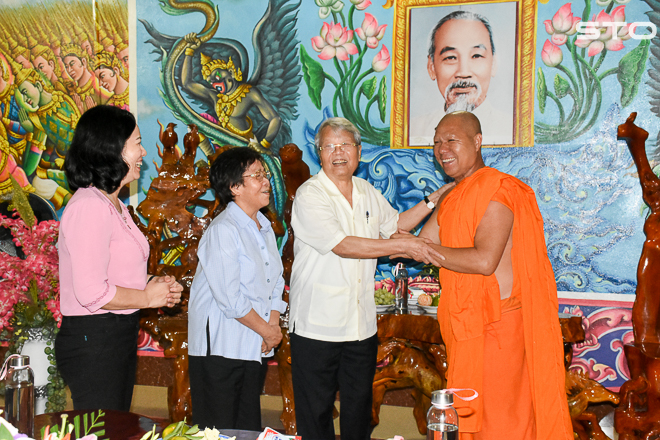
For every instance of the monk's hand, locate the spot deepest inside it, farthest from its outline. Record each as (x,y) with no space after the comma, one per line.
(419,250)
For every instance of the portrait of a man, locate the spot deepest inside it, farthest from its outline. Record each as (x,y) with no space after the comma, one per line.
(463,65)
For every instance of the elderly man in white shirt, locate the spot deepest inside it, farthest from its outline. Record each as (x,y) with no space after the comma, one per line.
(341,225)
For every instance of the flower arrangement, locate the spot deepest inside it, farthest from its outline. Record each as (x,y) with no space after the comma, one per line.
(579,77)
(29,287)
(336,43)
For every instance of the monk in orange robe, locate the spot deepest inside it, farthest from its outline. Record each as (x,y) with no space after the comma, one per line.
(498,306)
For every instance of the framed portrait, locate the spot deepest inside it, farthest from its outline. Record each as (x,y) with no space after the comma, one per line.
(475,56)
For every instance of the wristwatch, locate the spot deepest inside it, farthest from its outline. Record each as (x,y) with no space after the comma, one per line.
(429,203)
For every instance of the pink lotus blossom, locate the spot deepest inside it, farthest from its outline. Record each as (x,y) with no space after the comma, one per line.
(562,25)
(370,31)
(335,40)
(607,38)
(381,60)
(551,54)
(361,5)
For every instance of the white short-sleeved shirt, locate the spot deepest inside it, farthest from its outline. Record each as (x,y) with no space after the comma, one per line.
(332,298)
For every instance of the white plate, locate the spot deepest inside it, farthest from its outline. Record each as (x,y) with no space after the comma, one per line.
(429,309)
(383,308)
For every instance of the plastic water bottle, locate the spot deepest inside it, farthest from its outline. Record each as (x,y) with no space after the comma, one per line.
(401,288)
(442,419)
(19,395)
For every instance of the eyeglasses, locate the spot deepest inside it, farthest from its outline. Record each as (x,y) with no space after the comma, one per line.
(259,175)
(330,148)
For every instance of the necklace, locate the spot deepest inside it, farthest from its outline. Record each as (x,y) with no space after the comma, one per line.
(121,213)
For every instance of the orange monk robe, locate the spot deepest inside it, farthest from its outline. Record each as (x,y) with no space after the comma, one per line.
(469,302)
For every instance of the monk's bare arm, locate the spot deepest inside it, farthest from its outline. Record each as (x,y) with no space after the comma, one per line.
(411,218)
(431,230)
(489,243)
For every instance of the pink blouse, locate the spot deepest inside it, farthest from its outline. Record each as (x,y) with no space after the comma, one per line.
(98,252)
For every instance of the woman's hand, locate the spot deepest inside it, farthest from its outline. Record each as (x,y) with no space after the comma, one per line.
(163,292)
(272,338)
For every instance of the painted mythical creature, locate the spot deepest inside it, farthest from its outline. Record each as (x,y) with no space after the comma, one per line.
(212,72)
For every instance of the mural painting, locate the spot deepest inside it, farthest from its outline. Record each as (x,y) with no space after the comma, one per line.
(57,59)
(576,95)
(226,105)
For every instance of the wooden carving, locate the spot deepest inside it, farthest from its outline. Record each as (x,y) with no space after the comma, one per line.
(638,416)
(404,364)
(173,230)
(295,173)
(646,310)
(582,392)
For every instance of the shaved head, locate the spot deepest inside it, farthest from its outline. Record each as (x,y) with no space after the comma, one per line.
(469,122)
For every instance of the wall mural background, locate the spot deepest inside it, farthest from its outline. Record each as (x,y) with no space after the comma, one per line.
(295,63)
(584,179)
(57,59)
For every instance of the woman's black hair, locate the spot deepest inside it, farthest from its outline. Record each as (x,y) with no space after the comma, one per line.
(227,171)
(95,155)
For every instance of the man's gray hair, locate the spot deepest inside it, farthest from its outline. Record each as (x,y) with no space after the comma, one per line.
(337,124)
(460,15)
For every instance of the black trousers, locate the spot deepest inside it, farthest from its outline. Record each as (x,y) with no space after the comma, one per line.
(97,357)
(225,392)
(318,370)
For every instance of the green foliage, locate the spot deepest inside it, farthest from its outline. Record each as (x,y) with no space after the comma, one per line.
(368,87)
(313,75)
(382,98)
(541,90)
(631,68)
(562,87)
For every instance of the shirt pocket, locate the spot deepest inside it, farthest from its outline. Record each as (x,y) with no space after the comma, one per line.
(329,305)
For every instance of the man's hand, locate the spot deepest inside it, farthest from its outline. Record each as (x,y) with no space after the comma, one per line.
(417,249)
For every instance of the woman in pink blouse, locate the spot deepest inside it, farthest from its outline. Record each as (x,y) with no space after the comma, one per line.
(103,264)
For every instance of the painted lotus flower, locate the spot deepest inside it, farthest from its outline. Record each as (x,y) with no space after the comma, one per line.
(328,6)
(334,40)
(563,24)
(551,54)
(361,5)
(607,37)
(381,60)
(370,31)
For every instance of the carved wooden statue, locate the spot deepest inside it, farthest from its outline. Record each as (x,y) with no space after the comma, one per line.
(646,311)
(638,416)
(295,173)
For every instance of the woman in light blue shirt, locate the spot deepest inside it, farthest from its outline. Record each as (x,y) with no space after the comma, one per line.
(235,298)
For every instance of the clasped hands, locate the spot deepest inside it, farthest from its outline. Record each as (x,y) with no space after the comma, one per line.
(164,291)
(416,248)
(274,335)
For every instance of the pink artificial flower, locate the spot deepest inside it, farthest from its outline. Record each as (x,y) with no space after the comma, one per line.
(551,54)
(607,39)
(361,5)
(335,40)
(370,31)
(381,60)
(562,25)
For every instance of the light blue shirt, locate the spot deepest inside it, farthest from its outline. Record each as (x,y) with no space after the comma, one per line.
(239,269)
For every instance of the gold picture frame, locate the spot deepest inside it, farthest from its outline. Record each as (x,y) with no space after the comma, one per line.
(521,85)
